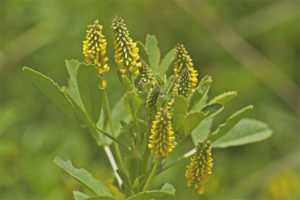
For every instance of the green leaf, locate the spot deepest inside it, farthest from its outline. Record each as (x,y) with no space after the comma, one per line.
(138,182)
(79,110)
(244,132)
(202,131)
(166,191)
(166,62)
(223,98)
(223,128)
(81,196)
(124,178)
(153,52)
(72,67)
(127,85)
(200,94)
(212,110)
(84,177)
(51,89)
(132,103)
(179,111)
(118,114)
(191,121)
(91,95)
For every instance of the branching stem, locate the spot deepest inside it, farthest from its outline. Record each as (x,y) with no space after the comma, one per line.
(152,174)
(116,146)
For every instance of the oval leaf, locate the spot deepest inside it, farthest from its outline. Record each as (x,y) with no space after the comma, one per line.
(153,52)
(51,89)
(202,131)
(191,121)
(84,177)
(223,128)
(179,111)
(213,109)
(132,103)
(91,95)
(244,132)
(224,98)
(200,94)
(166,62)
(166,190)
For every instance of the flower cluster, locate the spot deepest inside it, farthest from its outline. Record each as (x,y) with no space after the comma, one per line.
(145,75)
(162,134)
(94,47)
(151,101)
(126,51)
(198,170)
(184,61)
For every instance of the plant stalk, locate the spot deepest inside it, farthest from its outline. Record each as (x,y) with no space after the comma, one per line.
(116,146)
(152,174)
(113,163)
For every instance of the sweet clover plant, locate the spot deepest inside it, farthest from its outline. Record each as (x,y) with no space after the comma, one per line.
(165,102)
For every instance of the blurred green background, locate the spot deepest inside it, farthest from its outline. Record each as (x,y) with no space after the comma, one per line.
(248,46)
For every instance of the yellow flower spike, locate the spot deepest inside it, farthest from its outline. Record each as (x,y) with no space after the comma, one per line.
(94,47)
(162,134)
(184,61)
(126,51)
(198,170)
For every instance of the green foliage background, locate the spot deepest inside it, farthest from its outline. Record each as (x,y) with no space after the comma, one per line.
(251,47)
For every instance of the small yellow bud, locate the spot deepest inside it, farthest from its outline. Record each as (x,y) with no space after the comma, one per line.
(103,84)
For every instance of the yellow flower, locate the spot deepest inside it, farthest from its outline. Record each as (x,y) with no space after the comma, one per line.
(162,135)
(198,170)
(94,48)
(126,51)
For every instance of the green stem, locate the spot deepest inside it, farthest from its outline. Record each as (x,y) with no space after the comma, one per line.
(111,137)
(152,174)
(116,146)
(179,159)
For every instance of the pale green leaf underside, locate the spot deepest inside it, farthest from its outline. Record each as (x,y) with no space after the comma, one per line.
(224,98)
(191,121)
(153,52)
(179,110)
(166,62)
(223,128)
(51,89)
(131,102)
(200,94)
(81,196)
(90,93)
(244,132)
(166,190)
(84,177)
(202,131)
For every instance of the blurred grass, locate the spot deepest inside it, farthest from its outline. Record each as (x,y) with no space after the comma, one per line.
(251,47)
